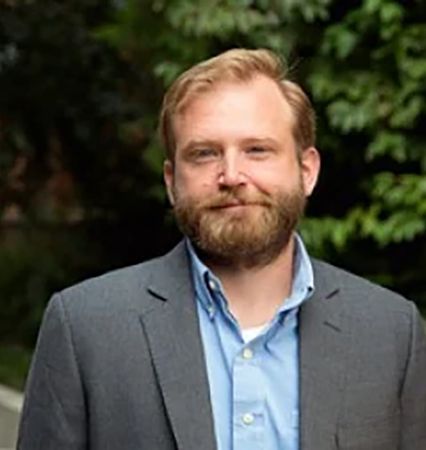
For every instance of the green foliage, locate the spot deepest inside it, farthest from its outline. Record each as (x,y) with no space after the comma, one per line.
(14,365)
(32,267)
(68,103)
(378,94)
(398,209)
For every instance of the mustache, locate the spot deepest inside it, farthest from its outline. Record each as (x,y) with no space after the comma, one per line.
(237,198)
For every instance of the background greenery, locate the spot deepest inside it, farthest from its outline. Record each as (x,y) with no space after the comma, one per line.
(81,83)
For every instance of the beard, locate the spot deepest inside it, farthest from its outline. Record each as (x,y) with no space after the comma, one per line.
(250,234)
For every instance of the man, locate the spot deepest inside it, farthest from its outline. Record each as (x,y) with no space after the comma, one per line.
(236,339)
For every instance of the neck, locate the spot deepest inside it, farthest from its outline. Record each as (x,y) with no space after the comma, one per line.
(254,294)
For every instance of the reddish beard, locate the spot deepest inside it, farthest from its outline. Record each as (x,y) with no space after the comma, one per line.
(235,228)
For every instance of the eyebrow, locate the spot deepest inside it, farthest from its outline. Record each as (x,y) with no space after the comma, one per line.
(265,141)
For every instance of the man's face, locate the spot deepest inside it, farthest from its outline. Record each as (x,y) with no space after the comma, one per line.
(236,184)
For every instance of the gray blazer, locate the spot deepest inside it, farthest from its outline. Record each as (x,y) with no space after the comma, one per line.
(119,365)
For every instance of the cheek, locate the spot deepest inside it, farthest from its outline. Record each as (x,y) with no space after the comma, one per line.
(270,177)
(194,184)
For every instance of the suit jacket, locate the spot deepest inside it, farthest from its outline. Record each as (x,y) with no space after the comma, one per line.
(119,365)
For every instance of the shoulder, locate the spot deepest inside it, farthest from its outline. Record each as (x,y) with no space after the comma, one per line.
(357,291)
(121,289)
(367,311)
(125,278)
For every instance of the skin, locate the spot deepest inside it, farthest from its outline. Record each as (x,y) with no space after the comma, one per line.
(240,134)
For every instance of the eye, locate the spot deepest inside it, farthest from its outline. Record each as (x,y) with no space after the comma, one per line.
(258,151)
(201,155)
(205,152)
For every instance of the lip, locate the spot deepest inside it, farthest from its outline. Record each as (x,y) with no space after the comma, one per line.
(234,205)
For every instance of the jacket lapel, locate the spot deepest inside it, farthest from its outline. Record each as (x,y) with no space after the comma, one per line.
(322,363)
(172,330)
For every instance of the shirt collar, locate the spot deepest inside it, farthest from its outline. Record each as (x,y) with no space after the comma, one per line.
(303,277)
(206,283)
(204,280)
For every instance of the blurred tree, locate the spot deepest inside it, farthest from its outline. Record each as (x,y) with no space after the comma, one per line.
(74,120)
(81,84)
(75,196)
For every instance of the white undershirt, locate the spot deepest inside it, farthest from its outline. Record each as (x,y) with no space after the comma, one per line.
(250,333)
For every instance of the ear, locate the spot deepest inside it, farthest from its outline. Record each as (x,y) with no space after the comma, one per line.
(310,164)
(168,175)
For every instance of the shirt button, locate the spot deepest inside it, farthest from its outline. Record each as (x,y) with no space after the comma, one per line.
(212,285)
(248,419)
(247,353)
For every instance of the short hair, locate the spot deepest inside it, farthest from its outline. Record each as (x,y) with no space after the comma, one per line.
(236,65)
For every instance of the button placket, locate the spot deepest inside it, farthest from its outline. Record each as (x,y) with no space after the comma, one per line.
(248,418)
(212,285)
(247,353)
(210,310)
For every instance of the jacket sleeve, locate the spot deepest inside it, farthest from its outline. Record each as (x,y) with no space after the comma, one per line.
(54,412)
(413,393)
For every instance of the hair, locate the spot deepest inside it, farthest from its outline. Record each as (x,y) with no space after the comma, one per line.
(236,65)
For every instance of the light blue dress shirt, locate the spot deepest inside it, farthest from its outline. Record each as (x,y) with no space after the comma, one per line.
(254,386)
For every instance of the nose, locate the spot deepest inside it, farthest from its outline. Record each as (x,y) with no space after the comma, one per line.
(231,172)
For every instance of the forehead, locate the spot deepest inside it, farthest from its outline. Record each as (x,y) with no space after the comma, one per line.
(260,86)
(257,106)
